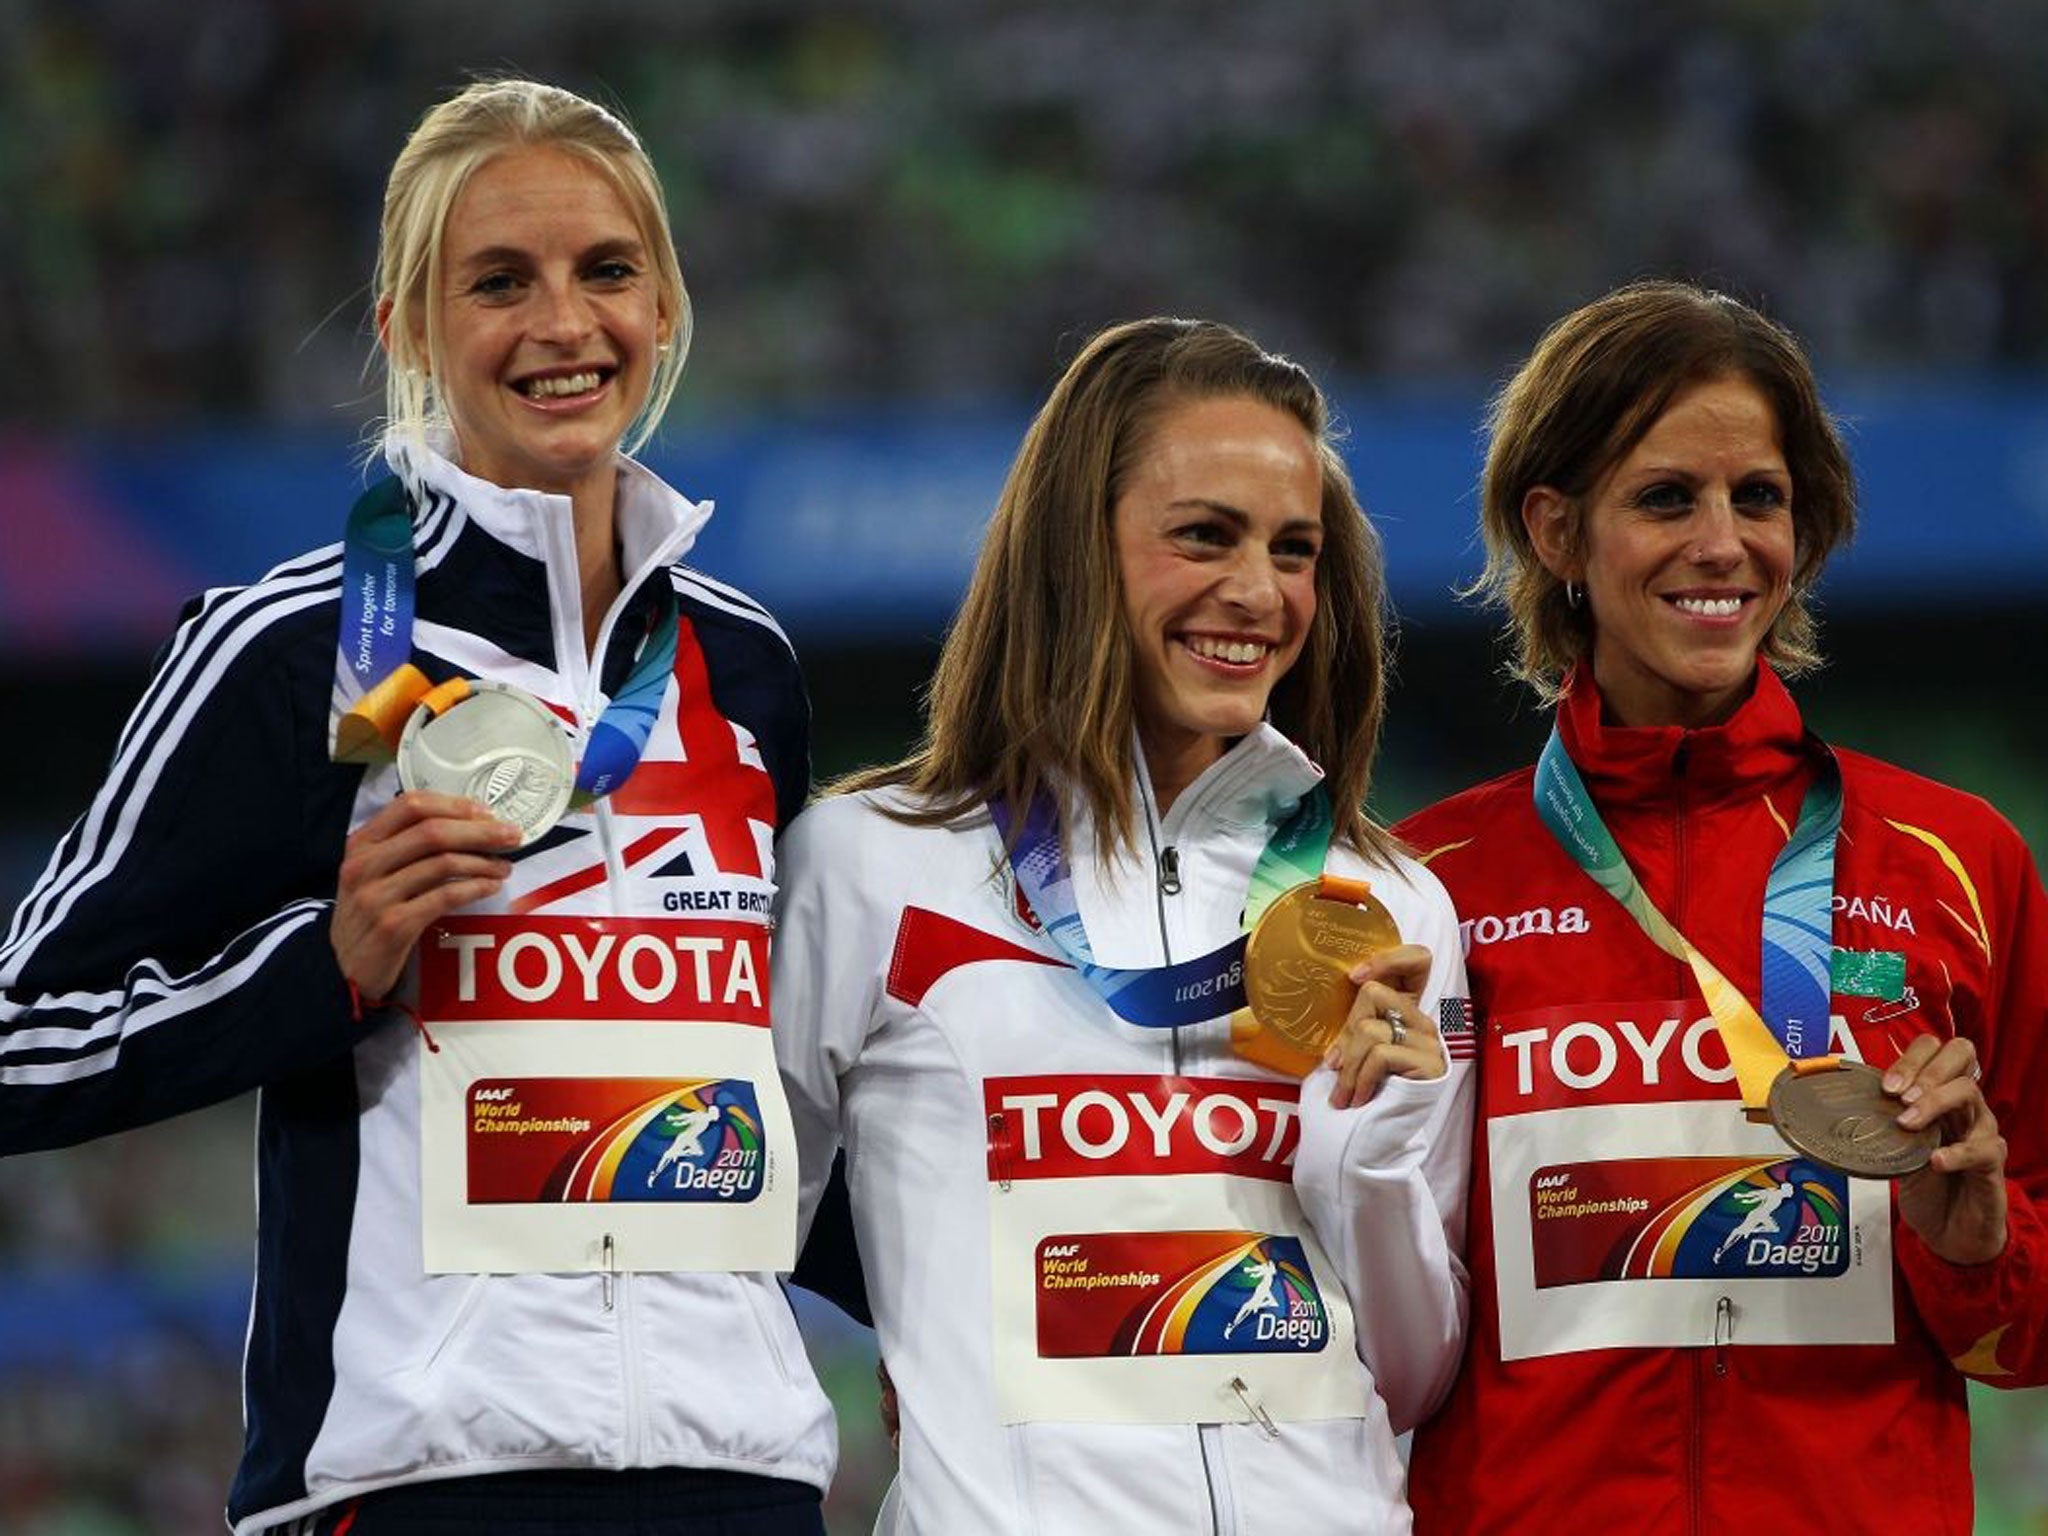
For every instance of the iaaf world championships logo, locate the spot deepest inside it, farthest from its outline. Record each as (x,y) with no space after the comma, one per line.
(554,1140)
(1104,1294)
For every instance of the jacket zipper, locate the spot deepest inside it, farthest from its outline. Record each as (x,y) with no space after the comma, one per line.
(1222,1507)
(1167,861)
(1695,1471)
(1208,1437)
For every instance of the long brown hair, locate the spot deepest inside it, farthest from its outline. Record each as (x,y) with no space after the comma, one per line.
(1597,382)
(1034,687)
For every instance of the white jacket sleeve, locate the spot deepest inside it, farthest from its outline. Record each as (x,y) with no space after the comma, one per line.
(1384,1185)
(829,967)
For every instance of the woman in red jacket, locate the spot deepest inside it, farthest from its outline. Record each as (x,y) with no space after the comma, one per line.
(1689,928)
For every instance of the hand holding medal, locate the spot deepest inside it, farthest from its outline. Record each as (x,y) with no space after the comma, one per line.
(1957,1203)
(1329,982)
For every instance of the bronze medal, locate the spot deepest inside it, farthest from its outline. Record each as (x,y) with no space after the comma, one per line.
(1296,971)
(1843,1117)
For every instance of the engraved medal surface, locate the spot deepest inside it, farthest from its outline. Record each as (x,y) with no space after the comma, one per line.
(1297,959)
(1844,1118)
(500,747)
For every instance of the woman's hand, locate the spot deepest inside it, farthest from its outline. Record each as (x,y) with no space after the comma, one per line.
(1387,1033)
(1957,1203)
(407,867)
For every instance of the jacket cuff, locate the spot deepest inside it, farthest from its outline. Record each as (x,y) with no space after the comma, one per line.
(1971,1308)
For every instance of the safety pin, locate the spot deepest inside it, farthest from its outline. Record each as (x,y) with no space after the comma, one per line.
(999,1150)
(610,1269)
(1907,1002)
(1724,1333)
(1255,1408)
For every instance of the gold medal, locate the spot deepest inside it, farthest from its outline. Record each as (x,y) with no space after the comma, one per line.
(1297,966)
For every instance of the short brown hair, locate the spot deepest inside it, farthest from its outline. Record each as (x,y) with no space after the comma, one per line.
(1597,382)
(1034,684)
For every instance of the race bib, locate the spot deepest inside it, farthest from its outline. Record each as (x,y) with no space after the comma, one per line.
(604,1097)
(1149,1260)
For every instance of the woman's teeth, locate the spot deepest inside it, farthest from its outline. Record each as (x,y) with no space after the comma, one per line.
(562,384)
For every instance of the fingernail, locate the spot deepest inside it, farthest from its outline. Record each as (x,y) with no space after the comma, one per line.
(1892,1080)
(1912,1094)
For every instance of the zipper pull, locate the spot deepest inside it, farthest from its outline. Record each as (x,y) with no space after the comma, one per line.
(1169,871)
(1724,1333)
(999,1149)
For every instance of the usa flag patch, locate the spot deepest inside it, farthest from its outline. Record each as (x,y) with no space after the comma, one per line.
(1455,1022)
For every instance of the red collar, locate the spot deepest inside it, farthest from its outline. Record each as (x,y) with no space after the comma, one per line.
(1752,752)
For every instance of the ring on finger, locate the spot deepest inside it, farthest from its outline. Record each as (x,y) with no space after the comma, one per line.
(1396,1030)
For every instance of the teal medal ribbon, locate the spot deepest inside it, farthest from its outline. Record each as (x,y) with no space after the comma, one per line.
(1188,991)
(1797,918)
(376,687)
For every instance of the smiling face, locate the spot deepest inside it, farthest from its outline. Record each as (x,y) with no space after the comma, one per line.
(1686,551)
(549,321)
(1217,528)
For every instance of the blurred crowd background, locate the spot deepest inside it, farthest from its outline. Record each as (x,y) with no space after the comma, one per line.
(897,221)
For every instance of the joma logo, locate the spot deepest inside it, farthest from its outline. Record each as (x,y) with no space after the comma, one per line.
(1493,929)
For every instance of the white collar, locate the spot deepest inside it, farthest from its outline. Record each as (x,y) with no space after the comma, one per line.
(656,524)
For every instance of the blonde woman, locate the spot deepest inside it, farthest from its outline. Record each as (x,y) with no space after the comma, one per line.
(398,836)
(1127,1275)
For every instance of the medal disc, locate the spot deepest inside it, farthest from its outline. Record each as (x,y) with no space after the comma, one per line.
(1844,1118)
(499,747)
(1297,960)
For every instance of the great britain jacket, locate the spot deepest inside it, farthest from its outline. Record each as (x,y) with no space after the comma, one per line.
(1123,1280)
(1678,1324)
(175,952)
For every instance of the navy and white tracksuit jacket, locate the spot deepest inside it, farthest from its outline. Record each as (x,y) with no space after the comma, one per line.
(175,952)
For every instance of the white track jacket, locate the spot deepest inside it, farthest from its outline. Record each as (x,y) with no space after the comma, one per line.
(1124,1280)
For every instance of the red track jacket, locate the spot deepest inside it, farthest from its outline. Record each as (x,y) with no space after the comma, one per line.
(1670,1315)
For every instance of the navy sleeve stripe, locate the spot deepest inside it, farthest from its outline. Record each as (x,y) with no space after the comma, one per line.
(153,999)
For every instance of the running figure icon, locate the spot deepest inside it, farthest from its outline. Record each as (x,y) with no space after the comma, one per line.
(1762,1217)
(1261,1297)
(690,1127)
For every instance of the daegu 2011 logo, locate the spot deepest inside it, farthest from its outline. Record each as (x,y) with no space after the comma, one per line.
(554,1140)
(1103,1294)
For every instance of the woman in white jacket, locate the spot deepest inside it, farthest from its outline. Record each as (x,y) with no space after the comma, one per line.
(1129,1276)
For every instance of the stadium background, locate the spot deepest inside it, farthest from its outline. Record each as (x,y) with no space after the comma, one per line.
(897,222)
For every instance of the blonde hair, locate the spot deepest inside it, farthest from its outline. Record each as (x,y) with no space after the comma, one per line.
(452,141)
(1597,382)
(1034,687)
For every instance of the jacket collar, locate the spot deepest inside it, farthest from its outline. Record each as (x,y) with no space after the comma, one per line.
(1754,750)
(1254,784)
(656,525)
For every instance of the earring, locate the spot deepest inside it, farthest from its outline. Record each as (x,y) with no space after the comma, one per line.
(1571,594)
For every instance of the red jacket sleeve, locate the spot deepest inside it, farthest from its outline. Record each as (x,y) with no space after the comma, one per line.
(1992,1319)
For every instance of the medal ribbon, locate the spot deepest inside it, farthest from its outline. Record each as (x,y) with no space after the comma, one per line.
(1188,991)
(1797,920)
(377,688)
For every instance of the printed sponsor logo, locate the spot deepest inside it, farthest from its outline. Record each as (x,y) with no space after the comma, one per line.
(1103,1294)
(550,1140)
(1096,1127)
(1688,1218)
(1505,928)
(488,968)
(1615,1053)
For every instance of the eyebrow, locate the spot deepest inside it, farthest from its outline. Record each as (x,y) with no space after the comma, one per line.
(512,255)
(1238,514)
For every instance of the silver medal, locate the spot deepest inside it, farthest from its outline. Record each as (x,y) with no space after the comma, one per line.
(499,747)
